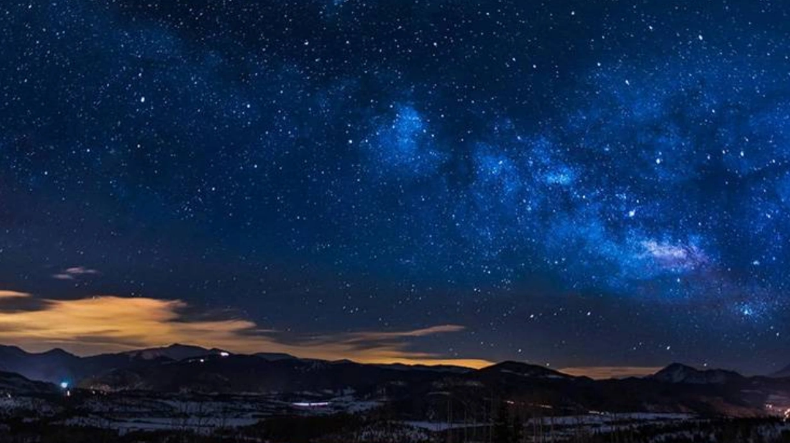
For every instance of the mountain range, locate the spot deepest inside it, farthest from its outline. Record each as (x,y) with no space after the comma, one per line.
(13,384)
(180,368)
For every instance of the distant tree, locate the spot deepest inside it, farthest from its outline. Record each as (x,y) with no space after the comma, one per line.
(518,430)
(502,431)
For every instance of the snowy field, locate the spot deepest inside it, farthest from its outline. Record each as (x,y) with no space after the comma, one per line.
(593,419)
(208,414)
(196,413)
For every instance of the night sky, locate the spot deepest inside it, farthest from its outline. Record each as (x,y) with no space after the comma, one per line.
(586,184)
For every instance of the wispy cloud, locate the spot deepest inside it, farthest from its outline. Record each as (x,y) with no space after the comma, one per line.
(12,294)
(74,272)
(383,336)
(109,323)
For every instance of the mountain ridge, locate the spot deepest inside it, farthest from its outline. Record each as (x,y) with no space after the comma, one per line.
(676,388)
(55,364)
(681,373)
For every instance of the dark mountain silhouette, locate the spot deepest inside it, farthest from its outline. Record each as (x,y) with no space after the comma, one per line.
(174,352)
(52,366)
(273,356)
(679,373)
(12,384)
(249,373)
(57,365)
(179,368)
(518,369)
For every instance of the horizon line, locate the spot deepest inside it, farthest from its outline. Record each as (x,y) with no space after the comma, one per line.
(595,372)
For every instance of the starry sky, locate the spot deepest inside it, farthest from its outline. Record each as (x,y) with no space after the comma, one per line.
(596,184)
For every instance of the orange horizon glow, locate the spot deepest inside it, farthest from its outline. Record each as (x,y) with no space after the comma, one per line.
(106,324)
(103,324)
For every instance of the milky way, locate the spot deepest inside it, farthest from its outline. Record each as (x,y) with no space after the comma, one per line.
(588,183)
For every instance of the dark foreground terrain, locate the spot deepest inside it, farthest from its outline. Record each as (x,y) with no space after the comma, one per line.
(344,428)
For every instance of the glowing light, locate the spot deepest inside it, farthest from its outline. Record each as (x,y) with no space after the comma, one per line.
(224,354)
(320,404)
(64,385)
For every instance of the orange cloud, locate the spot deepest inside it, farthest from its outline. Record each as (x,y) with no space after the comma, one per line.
(13,294)
(110,324)
(607,372)
(368,336)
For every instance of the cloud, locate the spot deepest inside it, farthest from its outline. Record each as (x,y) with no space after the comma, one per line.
(110,324)
(607,372)
(374,336)
(74,272)
(13,294)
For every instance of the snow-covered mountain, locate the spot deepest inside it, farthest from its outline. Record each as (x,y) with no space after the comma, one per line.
(519,369)
(175,351)
(679,373)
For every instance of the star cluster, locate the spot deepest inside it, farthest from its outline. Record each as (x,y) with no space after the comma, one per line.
(575,182)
